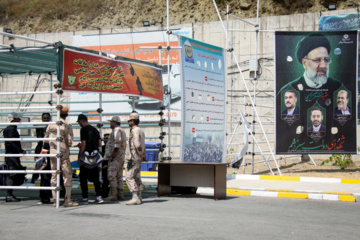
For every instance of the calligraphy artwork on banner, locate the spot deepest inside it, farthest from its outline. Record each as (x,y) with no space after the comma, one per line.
(85,72)
(315,86)
(203,69)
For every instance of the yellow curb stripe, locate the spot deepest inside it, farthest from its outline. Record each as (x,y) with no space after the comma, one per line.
(238,192)
(347,198)
(154,174)
(279,178)
(338,193)
(279,190)
(350,181)
(293,195)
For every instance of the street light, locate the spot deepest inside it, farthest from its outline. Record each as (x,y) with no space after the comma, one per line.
(332,6)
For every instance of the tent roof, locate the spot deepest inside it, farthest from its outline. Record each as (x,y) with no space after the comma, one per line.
(38,60)
(28,60)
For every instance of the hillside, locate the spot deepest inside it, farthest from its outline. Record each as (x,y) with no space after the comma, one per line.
(35,16)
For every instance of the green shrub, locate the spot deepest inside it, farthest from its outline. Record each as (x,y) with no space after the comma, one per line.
(341,160)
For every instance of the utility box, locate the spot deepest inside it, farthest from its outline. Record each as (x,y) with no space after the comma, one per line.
(152,155)
(253,65)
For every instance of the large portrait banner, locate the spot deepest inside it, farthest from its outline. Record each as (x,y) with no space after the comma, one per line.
(203,69)
(315,89)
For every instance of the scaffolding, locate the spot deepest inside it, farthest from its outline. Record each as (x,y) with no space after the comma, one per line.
(39,60)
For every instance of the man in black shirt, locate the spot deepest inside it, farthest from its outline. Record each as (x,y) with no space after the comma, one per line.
(90,141)
(13,147)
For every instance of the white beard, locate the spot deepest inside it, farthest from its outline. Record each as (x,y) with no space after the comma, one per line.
(313,76)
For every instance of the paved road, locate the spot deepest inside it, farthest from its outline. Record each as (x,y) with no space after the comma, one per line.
(181,217)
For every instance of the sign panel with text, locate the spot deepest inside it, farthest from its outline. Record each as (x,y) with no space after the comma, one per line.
(203,69)
(86,72)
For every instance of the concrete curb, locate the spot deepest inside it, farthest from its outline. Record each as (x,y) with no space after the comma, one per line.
(289,178)
(344,197)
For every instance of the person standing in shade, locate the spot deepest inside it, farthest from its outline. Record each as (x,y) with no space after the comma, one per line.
(13,147)
(66,133)
(45,195)
(90,141)
(104,167)
(115,153)
(137,153)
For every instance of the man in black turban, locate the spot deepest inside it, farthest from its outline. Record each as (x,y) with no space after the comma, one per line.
(313,53)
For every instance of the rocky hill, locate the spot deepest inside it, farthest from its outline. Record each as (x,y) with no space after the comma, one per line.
(35,16)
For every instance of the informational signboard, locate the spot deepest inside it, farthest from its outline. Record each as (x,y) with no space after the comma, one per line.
(316,86)
(203,70)
(339,22)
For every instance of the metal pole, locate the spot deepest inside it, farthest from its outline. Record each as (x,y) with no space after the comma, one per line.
(244,159)
(24,93)
(100,114)
(161,117)
(169,87)
(100,130)
(254,119)
(58,150)
(227,24)
(25,38)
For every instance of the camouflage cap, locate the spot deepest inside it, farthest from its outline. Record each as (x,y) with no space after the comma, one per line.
(64,110)
(14,115)
(133,116)
(115,119)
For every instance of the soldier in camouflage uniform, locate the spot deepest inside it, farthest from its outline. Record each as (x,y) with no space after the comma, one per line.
(115,154)
(137,155)
(67,135)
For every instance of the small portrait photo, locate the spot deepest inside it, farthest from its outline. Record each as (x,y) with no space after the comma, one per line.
(290,104)
(342,98)
(316,120)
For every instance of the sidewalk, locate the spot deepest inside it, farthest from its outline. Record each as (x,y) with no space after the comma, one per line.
(334,189)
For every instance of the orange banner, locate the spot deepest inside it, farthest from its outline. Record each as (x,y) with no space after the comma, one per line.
(134,51)
(86,72)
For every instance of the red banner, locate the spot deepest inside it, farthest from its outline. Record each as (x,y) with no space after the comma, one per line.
(85,72)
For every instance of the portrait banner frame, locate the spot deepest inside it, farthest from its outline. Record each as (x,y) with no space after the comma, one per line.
(316,65)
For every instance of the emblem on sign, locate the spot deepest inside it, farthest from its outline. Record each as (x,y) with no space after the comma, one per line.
(71,79)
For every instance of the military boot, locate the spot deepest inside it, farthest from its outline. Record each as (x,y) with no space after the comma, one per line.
(120,194)
(68,202)
(54,198)
(139,195)
(113,196)
(135,199)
